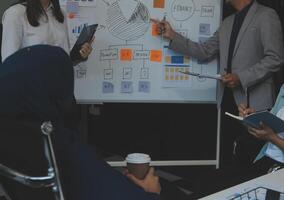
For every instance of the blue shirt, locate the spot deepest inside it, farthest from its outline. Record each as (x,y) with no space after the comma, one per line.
(269,149)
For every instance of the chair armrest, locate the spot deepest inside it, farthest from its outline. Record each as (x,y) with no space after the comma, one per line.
(31,181)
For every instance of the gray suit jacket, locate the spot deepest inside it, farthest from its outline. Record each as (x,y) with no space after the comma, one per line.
(258,52)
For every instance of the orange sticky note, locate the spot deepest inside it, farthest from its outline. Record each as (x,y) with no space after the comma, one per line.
(126,54)
(159,4)
(154,29)
(156,55)
(71,15)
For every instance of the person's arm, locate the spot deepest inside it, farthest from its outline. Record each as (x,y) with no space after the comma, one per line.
(84,52)
(12,35)
(271,39)
(267,134)
(244,110)
(85,49)
(200,51)
(150,183)
(185,46)
(231,80)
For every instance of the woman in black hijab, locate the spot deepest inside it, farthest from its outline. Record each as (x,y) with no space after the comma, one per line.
(36,83)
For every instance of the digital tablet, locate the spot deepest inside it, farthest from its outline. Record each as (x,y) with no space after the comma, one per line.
(86,35)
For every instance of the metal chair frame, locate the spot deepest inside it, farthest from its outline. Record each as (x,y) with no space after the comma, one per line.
(51,180)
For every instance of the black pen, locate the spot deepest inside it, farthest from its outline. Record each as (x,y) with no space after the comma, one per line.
(247,95)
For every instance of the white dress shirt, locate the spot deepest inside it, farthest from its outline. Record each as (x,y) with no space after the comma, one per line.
(18,33)
(272,150)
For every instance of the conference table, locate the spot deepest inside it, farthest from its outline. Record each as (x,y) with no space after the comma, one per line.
(249,189)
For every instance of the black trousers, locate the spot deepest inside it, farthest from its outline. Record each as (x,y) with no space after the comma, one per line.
(237,146)
(230,128)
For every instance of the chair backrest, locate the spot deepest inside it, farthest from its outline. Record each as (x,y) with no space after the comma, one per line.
(27,161)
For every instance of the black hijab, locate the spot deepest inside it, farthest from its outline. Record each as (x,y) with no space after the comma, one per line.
(36,82)
(36,85)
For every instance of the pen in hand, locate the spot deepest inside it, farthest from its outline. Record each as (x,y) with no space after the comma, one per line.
(247,95)
(164,28)
(160,25)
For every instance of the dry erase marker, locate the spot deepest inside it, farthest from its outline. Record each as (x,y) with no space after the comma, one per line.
(164,29)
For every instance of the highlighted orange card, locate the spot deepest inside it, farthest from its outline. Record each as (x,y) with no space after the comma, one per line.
(156,55)
(126,54)
(71,15)
(159,4)
(154,29)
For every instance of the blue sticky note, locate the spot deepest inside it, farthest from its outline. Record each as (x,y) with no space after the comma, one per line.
(144,86)
(126,87)
(177,59)
(204,29)
(72,7)
(108,87)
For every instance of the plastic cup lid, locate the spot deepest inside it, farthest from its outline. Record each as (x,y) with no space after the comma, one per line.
(138,158)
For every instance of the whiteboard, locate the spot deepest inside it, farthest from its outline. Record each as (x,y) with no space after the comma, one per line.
(130,63)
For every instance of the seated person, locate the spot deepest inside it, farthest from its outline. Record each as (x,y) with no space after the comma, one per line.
(37,83)
(271,157)
(272,153)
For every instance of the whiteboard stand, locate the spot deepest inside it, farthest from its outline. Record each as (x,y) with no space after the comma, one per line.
(185,162)
(218,138)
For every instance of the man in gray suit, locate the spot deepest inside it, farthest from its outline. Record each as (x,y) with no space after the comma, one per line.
(249,45)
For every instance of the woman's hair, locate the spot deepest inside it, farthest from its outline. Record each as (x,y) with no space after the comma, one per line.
(35,11)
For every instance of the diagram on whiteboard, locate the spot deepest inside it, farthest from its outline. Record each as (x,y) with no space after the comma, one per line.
(127,19)
(130,61)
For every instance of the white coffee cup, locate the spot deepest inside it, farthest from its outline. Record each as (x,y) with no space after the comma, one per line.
(138,164)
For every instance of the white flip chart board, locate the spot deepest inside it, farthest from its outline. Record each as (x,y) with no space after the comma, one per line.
(130,63)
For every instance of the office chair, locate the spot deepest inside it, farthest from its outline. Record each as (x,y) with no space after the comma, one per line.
(51,179)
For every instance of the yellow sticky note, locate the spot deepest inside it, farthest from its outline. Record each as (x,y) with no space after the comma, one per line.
(156,55)
(168,59)
(186,60)
(159,4)
(126,54)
